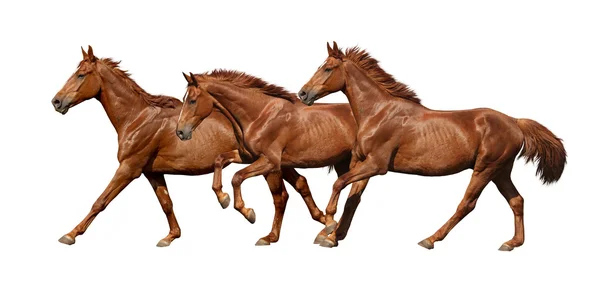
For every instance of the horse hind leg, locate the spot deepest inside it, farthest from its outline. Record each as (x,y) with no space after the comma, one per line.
(516,202)
(479,180)
(280,198)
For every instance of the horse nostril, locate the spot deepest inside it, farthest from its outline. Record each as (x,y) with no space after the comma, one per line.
(56,103)
(302,94)
(180,134)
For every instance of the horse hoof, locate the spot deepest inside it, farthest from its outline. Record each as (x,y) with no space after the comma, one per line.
(225,201)
(66,240)
(505,247)
(426,244)
(319,239)
(251,216)
(327,243)
(163,243)
(263,241)
(330,227)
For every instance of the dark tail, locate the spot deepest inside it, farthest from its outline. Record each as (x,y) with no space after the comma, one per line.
(329,169)
(542,146)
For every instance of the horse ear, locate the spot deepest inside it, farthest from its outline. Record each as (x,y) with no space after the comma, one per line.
(329,50)
(335,47)
(85,55)
(187,77)
(194,81)
(91,53)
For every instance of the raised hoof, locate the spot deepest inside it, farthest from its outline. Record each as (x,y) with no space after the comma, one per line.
(225,201)
(66,240)
(328,243)
(426,244)
(163,243)
(251,216)
(319,239)
(330,227)
(263,241)
(505,247)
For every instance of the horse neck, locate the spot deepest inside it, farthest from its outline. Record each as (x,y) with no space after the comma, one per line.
(121,103)
(242,106)
(364,94)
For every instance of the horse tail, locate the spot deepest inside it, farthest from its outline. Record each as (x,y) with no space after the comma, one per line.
(542,146)
(329,169)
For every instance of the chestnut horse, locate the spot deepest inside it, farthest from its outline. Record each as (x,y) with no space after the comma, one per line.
(145,125)
(397,133)
(278,131)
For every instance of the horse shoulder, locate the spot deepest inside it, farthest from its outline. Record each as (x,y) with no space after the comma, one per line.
(139,138)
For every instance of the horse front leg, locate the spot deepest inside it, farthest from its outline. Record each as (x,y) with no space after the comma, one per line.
(260,167)
(350,208)
(157,180)
(280,198)
(221,162)
(126,173)
(361,170)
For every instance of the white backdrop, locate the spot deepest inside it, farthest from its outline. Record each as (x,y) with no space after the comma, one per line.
(527,59)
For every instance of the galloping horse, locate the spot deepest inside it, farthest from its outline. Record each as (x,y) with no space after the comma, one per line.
(278,131)
(397,133)
(145,125)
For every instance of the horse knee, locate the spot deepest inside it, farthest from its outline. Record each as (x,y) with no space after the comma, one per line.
(338,185)
(99,206)
(467,207)
(302,186)
(237,179)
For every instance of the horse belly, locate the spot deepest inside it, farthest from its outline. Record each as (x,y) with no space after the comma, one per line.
(311,159)
(312,153)
(433,161)
(191,164)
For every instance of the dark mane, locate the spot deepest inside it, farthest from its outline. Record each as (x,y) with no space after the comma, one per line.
(161,101)
(387,81)
(244,80)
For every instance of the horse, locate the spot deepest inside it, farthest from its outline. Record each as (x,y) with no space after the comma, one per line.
(397,133)
(145,125)
(275,127)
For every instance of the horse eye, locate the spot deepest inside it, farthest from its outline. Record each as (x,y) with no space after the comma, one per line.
(327,69)
(81,76)
(192,101)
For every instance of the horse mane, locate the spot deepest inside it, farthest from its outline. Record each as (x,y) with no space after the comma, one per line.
(362,58)
(244,80)
(161,101)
